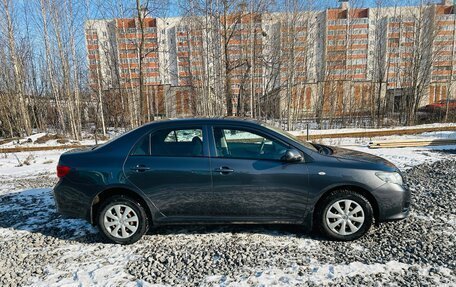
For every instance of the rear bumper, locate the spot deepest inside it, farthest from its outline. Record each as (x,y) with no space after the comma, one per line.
(394,202)
(70,201)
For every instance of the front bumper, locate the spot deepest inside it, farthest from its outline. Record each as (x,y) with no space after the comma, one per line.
(394,202)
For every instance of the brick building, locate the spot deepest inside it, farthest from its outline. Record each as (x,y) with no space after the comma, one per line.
(341,55)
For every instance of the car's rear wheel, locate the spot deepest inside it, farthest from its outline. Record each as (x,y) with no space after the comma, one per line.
(344,215)
(122,220)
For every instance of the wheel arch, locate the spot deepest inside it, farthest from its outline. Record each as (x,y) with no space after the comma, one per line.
(112,191)
(358,189)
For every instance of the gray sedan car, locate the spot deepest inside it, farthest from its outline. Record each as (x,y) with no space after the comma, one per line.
(202,171)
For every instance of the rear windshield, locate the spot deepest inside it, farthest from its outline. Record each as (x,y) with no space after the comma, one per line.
(116,137)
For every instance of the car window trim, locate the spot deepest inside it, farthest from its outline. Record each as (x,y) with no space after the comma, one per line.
(248,158)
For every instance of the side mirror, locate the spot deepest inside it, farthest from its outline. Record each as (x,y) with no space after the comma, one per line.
(292,155)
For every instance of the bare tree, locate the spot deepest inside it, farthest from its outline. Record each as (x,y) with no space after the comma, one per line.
(419,32)
(297,32)
(8,30)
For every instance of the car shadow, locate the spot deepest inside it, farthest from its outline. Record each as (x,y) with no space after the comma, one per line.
(269,229)
(34,210)
(446,151)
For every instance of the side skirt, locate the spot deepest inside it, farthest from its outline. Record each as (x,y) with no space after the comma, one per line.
(177,220)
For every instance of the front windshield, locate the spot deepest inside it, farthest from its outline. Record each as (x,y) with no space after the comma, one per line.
(291,137)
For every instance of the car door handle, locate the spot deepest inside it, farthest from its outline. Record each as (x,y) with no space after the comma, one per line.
(140,168)
(224,170)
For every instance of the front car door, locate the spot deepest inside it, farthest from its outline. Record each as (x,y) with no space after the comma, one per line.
(251,181)
(171,166)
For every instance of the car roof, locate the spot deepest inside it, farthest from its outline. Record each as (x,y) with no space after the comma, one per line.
(219,120)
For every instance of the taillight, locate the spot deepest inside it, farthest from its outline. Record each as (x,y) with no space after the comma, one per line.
(62,170)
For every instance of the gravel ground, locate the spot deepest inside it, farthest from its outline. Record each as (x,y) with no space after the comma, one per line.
(38,247)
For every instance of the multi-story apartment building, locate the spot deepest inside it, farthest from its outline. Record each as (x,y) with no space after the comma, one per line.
(443,67)
(346,56)
(337,59)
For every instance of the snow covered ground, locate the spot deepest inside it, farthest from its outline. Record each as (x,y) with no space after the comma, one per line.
(38,247)
(31,142)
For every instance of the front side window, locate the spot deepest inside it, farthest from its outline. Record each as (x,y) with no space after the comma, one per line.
(177,142)
(238,143)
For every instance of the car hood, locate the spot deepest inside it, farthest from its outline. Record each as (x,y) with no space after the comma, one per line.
(353,155)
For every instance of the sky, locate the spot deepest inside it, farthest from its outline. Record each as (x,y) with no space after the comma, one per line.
(174,7)
(323,4)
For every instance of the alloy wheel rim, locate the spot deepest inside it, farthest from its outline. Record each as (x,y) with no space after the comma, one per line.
(345,217)
(121,221)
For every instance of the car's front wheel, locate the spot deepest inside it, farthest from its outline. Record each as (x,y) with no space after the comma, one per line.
(122,220)
(345,215)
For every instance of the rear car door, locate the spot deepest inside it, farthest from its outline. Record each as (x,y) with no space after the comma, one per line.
(251,181)
(171,166)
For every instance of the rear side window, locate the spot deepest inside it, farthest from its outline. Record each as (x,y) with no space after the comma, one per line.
(177,142)
(184,135)
(142,147)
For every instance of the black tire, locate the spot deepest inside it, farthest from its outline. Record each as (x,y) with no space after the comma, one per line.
(321,220)
(142,224)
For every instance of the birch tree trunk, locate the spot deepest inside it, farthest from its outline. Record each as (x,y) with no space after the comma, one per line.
(49,66)
(56,18)
(75,64)
(18,73)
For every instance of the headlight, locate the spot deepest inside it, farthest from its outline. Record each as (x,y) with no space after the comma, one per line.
(390,177)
